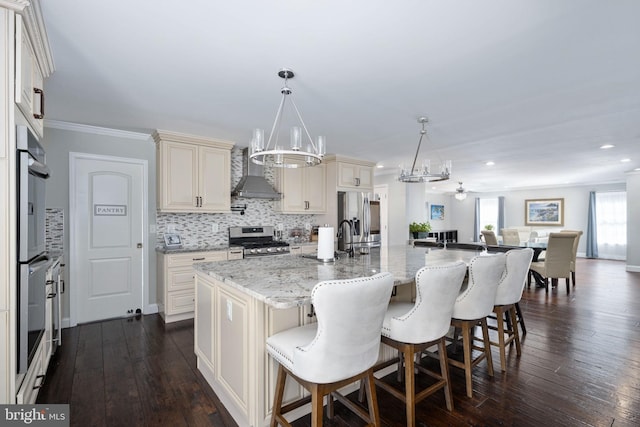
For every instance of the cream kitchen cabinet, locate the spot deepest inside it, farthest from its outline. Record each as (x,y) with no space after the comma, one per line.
(355,175)
(194,173)
(175,276)
(230,330)
(303,248)
(303,189)
(29,82)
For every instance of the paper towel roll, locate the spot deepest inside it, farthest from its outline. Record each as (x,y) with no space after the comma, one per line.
(325,243)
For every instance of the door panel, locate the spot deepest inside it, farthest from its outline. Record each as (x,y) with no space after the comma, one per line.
(107,258)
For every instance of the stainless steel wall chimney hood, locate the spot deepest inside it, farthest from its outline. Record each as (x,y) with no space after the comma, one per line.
(253,183)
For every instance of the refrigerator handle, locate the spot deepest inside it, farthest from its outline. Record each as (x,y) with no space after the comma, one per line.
(366,216)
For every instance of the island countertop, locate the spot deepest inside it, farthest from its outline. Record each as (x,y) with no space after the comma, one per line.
(286,281)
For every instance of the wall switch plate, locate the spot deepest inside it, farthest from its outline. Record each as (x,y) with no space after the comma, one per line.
(229,310)
(215,227)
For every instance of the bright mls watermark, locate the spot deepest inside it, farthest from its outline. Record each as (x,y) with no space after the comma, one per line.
(34,415)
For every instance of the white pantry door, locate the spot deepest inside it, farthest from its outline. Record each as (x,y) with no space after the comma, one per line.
(107,201)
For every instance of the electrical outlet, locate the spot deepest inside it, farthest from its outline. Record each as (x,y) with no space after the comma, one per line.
(229,310)
(215,227)
(307,227)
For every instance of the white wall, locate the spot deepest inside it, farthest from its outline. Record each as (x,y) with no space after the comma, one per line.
(633,221)
(58,143)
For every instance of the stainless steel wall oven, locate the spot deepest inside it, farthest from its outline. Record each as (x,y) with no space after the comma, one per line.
(33,260)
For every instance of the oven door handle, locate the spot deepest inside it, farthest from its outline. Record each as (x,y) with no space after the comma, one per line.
(39,169)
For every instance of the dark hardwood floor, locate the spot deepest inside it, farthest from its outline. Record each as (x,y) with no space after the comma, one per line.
(580,366)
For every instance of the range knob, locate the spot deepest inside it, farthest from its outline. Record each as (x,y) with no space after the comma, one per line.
(253,251)
(269,249)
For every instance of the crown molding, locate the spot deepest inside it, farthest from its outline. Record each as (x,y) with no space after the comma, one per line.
(165,135)
(96,130)
(15,5)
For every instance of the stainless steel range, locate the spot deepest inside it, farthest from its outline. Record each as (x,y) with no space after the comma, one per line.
(257,241)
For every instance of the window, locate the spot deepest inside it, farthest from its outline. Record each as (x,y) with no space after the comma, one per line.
(611,219)
(489,213)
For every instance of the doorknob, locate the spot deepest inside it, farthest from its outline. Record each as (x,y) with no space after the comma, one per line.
(139,245)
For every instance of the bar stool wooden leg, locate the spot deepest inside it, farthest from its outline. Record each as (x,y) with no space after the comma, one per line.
(516,334)
(410,385)
(444,371)
(467,346)
(501,343)
(277,403)
(487,346)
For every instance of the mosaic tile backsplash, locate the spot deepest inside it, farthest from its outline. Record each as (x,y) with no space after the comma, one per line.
(54,229)
(196,228)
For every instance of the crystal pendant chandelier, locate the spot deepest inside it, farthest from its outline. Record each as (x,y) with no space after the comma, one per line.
(293,156)
(424,173)
(460,193)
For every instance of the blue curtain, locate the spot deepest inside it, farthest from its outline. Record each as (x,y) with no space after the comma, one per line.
(500,214)
(592,228)
(476,221)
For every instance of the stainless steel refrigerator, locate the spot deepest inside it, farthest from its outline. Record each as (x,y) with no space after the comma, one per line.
(358,220)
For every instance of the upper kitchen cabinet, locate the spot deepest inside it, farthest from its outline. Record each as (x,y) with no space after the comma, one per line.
(303,189)
(351,174)
(31,66)
(194,173)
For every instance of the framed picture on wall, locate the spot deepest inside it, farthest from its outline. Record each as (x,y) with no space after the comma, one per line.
(437,212)
(544,212)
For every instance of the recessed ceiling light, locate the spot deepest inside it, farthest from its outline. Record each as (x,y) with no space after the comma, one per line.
(606,146)
(489,163)
(625,160)
(637,169)
(379,166)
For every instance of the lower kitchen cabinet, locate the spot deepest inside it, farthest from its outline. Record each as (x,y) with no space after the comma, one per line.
(231,328)
(34,379)
(303,248)
(176,293)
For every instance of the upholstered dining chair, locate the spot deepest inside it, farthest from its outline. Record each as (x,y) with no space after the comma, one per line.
(508,294)
(472,307)
(557,261)
(510,237)
(489,237)
(341,348)
(578,233)
(413,327)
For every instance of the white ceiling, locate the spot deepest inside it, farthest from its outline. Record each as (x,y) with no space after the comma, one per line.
(536,86)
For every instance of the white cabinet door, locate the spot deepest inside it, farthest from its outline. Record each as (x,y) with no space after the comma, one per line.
(315,189)
(214,179)
(178,187)
(29,89)
(303,189)
(352,175)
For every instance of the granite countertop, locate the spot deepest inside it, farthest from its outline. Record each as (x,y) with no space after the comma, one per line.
(286,281)
(195,248)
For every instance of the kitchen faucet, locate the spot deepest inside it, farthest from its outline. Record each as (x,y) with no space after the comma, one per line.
(349,251)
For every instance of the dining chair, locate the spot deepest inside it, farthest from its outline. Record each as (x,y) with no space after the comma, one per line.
(557,261)
(508,294)
(510,237)
(340,349)
(489,237)
(412,328)
(472,307)
(578,233)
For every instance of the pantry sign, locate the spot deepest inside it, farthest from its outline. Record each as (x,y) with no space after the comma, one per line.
(110,210)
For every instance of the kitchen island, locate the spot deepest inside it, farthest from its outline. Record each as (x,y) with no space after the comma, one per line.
(241,303)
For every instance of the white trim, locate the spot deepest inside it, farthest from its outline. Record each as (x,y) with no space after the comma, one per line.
(96,130)
(151,309)
(15,5)
(73,158)
(633,268)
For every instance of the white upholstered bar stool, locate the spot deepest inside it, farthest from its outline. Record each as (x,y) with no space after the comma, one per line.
(509,293)
(341,348)
(472,307)
(413,327)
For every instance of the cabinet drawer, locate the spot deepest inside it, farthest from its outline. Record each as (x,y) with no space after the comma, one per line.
(33,380)
(187,259)
(180,278)
(180,302)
